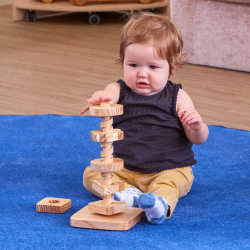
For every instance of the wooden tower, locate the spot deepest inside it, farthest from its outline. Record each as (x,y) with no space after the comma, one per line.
(107,214)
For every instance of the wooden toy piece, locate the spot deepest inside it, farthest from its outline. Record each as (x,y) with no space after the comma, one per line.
(107,164)
(99,165)
(107,209)
(53,205)
(106,135)
(106,109)
(108,199)
(100,136)
(91,216)
(107,189)
(120,222)
(107,178)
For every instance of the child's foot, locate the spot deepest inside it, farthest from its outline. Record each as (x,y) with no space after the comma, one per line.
(129,195)
(156,207)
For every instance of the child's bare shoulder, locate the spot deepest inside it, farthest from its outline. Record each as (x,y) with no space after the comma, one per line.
(182,94)
(184,100)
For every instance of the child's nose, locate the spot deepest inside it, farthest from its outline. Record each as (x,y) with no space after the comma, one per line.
(142,73)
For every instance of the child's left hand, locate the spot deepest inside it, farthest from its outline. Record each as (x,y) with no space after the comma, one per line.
(190,117)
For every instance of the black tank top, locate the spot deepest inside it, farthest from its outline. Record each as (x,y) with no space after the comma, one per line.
(154,139)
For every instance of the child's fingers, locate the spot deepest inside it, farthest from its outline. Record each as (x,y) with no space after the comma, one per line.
(96,102)
(99,100)
(92,101)
(188,116)
(102,100)
(182,111)
(193,120)
(108,99)
(195,123)
(85,109)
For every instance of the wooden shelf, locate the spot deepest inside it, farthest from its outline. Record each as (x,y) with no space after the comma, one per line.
(21,6)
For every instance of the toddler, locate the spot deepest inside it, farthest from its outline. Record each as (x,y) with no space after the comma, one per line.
(160,122)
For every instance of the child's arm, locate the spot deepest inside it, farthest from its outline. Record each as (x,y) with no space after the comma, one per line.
(196,130)
(110,94)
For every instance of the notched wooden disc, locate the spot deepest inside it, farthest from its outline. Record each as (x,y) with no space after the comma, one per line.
(100,136)
(114,208)
(102,111)
(99,165)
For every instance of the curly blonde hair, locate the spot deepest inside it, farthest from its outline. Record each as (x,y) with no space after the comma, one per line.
(145,27)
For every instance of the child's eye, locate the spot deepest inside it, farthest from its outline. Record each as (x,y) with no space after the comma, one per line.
(133,65)
(153,67)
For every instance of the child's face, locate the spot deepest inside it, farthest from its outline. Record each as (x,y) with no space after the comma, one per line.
(145,72)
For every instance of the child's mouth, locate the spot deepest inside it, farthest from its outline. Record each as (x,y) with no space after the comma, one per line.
(142,84)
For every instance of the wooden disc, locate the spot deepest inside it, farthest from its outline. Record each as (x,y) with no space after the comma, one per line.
(100,136)
(99,165)
(108,209)
(103,190)
(102,111)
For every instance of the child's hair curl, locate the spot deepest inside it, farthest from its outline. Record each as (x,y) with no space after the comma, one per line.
(146,27)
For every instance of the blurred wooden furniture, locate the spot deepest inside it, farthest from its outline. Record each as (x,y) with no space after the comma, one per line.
(21,7)
(83,2)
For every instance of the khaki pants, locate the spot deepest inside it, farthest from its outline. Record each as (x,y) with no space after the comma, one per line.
(170,184)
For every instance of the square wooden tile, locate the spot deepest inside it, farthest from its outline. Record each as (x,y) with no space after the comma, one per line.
(53,205)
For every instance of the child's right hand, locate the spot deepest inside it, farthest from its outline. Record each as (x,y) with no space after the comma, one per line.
(96,102)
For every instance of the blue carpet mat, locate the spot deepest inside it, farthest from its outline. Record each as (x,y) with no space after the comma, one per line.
(45,156)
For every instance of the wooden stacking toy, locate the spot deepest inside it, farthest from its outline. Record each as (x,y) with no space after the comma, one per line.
(107,214)
(107,164)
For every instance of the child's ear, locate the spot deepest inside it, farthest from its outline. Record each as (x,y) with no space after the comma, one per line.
(174,69)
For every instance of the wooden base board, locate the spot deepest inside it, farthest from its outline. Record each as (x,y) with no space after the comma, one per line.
(117,222)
